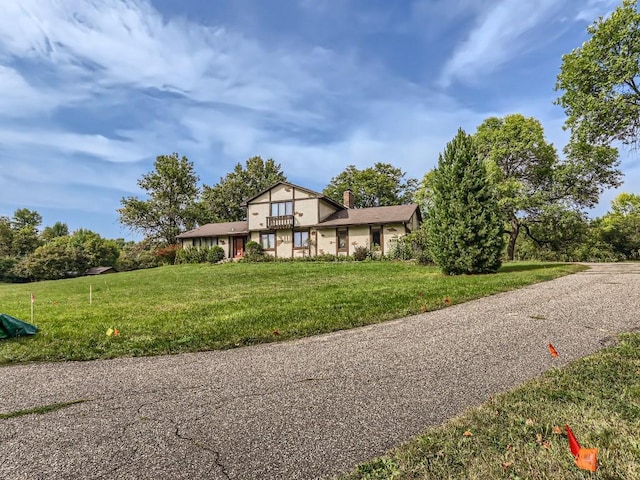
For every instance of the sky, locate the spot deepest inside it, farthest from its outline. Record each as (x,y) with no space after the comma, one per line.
(91,91)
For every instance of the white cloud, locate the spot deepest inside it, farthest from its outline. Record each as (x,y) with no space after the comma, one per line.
(96,145)
(499,36)
(596,8)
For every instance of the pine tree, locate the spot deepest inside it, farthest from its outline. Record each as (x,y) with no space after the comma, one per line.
(464,220)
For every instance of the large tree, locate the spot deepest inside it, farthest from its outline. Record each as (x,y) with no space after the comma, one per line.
(223,202)
(171,204)
(601,80)
(530,178)
(377,186)
(464,221)
(620,227)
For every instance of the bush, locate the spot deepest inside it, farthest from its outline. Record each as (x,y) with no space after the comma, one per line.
(253,253)
(10,271)
(360,253)
(167,255)
(215,254)
(400,249)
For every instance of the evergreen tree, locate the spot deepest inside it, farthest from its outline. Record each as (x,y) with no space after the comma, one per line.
(464,219)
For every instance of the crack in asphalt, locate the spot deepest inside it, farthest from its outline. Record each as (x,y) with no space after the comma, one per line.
(216,454)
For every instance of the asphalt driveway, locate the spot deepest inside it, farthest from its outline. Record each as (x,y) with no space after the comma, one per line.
(303,409)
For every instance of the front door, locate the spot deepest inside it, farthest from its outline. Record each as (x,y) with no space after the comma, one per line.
(238,247)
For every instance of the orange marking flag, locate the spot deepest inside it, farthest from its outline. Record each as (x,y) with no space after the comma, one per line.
(586,458)
(552,351)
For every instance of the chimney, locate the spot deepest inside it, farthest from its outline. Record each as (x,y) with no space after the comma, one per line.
(347,199)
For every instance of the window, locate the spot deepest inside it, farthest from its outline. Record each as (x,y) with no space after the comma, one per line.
(342,241)
(375,238)
(268,240)
(210,242)
(281,208)
(300,239)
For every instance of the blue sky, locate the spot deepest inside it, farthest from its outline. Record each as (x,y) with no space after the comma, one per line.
(91,91)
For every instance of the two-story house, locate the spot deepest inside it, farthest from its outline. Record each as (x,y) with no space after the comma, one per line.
(293,221)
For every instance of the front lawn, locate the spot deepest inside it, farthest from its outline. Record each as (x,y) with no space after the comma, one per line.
(188,308)
(521,435)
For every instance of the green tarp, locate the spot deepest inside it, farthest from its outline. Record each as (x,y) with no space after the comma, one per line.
(12,327)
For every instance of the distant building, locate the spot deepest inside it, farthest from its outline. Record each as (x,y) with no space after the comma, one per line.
(100,270)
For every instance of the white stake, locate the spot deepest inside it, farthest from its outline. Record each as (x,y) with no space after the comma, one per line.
(90,293)
(33,300)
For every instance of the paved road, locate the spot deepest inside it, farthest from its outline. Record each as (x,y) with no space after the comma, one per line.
(308,408)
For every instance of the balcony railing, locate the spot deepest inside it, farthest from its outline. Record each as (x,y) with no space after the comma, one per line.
(282,222)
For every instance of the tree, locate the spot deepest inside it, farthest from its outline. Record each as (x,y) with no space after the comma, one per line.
(222,202)
(6,237)
(377,186)
(601,80)
(23,217)
(621,226)
(58,229)
(530,178)
(171,207)
(464,220)
(68,255)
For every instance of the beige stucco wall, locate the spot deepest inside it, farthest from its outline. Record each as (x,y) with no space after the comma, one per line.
(305,212)
(358,237)
(280,193)
(326,241)
(262,198)
(284,243)
(257,215)
(299,194)
(391,233)
(325,210)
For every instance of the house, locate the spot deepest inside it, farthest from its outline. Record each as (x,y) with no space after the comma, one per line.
(293,221)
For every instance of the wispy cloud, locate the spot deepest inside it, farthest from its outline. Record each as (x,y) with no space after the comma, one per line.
(501,33)
(596,8)
(92,90)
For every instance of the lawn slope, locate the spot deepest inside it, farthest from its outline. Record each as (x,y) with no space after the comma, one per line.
(188,308)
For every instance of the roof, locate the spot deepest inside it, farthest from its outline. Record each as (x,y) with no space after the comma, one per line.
(313,193)
(366,216)
(217,230)
(100,270)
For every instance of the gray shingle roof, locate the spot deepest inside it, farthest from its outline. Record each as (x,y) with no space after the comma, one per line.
(365,216)
(217,230)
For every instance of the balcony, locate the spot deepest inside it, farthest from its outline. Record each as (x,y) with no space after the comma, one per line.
(282,222)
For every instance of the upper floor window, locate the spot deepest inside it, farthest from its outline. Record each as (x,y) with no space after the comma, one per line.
(279,209)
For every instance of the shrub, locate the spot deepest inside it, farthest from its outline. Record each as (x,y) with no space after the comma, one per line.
(253,253)
(400,249)
(215,254)
(167,255)
(360,253)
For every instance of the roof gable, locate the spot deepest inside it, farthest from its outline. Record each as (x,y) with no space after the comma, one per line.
(312,193)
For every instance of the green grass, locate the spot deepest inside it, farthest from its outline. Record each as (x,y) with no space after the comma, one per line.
(190,308)
(513,435)
(39,410)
